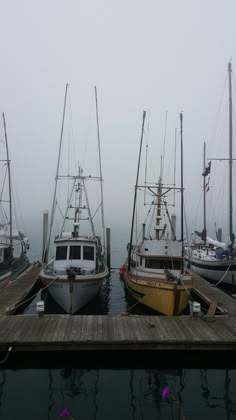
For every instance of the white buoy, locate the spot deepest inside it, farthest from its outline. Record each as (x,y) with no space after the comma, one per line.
(195,309)
(40,307)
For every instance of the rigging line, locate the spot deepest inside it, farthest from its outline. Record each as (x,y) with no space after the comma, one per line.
(86,143)
(100,170)
(17,204)
(135,191)
(175,164)
(57,205)
(88,208)
(68,207)
(145,178)
(56,179)
(218,111)
(96,211)
(3,184)
(9,180)
(164,145)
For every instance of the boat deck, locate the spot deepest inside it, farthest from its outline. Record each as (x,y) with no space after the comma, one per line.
(50,333)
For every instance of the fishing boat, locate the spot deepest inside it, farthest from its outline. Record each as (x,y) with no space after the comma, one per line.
(212,258)
(78,267)
(13,243)
(154,272)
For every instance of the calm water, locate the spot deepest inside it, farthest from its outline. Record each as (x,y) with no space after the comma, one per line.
(117,394)
(82,389)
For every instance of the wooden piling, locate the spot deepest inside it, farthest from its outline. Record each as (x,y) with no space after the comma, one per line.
(45,235)
(108,246)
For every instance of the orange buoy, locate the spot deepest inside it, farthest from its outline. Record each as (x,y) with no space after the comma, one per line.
(122,270)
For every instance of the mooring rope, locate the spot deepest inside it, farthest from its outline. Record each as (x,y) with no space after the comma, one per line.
(7,355)
(32,297)
(215,285)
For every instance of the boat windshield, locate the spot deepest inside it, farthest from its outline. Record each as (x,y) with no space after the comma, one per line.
(169,264)
(88,253)
(75,252)
(61,252)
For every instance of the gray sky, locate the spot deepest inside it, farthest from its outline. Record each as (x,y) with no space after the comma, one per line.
(156,55)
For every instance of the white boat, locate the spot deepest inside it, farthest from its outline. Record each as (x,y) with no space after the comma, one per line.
(75,273)
(13,242)
(214,259)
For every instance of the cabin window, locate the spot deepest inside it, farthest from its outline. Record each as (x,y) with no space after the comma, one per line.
(61,252)
(163,264)
(141,261)
(88,253)
(75,252)
(151,263)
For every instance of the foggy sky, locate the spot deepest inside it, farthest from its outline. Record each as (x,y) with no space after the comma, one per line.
(158,56)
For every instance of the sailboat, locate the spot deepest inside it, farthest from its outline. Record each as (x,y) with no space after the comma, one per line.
(154,272)
(75,273)
(13,243)
(212,258)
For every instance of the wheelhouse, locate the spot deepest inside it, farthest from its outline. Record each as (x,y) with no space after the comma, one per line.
(77,254)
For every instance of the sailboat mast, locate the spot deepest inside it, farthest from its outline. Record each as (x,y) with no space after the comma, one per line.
(100,166)
(204,193)
(230,155)
(56,179)
(135,191)
(182,192)
(9,180)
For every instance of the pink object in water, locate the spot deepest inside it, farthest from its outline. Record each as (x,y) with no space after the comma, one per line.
(65,412)
(165,392)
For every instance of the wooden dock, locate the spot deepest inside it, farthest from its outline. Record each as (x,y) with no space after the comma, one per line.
(56,333)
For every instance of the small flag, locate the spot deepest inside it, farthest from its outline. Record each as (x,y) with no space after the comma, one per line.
(207,170)
(207,186)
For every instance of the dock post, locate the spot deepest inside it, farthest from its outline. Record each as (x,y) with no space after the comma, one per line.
(108,246)
(45,235)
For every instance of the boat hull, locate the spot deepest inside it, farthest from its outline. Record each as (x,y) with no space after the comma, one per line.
(217,271)
(17,267)
(72,296)
(167,298)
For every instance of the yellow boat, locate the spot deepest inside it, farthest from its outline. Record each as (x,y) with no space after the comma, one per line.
(155,279)
(154,272)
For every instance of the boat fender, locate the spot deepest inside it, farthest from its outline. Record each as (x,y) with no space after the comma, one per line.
(122,270)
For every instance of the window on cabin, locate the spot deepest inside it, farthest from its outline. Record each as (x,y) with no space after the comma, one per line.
(152,263)
(75,252)
(163,264)
(88,253)
(61,252)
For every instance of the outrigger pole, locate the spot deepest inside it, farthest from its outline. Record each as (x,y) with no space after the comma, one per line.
(182,192)
(45,254)
(135,191)
(100,167)
(9,180)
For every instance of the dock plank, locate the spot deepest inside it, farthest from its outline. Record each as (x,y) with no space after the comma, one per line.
(118,331)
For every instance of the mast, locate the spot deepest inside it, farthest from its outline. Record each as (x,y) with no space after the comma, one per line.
(9,180)
(230,156)
(182,192)
(56,178)
(135,191)
(100,166)
(158,213)
(204,193)
(175,164)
